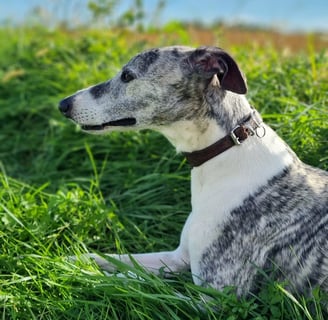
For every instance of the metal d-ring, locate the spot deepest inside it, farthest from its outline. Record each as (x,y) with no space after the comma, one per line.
(260,133)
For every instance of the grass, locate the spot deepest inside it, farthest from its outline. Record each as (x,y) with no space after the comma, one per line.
(63,192)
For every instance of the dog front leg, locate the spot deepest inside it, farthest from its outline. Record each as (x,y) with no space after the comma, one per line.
(155,262)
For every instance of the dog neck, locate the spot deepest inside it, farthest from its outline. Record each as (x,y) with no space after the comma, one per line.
(192,135)
(196,134)
(251,126)
(189,136)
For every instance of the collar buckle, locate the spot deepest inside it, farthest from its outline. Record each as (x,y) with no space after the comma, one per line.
(234,136)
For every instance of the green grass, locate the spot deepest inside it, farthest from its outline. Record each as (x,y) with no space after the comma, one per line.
(63,192)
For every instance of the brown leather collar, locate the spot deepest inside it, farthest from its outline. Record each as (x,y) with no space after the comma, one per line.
(238,135)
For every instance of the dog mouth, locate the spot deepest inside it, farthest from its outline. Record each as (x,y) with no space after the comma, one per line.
(126,122)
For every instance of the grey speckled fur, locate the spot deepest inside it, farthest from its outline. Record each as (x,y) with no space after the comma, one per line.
(282,227)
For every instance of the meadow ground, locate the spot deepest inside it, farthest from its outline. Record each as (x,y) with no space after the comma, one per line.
(64,192)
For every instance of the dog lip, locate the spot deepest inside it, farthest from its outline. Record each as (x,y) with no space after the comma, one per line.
(116,123)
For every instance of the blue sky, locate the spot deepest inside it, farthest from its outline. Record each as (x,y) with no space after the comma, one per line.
(304,15)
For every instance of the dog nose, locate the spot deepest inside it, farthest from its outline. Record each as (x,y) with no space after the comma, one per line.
(65,106)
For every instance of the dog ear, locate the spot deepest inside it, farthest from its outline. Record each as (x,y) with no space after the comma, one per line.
(212,61)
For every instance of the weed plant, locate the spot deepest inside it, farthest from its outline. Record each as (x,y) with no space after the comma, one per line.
(64,193)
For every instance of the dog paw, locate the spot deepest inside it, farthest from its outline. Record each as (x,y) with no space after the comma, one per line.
(102,262)
(109,268)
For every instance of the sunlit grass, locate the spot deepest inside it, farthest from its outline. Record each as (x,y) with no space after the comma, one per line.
(63,192)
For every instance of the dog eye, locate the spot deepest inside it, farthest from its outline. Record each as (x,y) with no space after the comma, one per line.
(127,76)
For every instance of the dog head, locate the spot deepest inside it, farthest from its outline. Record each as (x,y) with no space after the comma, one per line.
(156,88)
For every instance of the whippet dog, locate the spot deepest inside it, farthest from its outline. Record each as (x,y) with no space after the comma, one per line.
(255,205)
